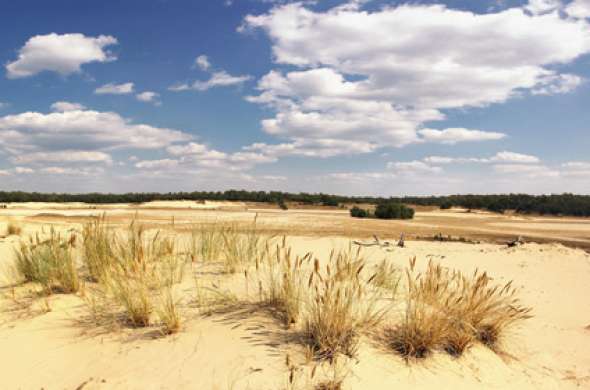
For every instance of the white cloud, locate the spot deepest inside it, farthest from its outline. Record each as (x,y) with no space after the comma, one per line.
(526,170)
(217,79)
(23,170)
(538,7)
(412,167)
(64,54)
(4,172)
(67,106)
(557,84)
(85,171)
(321,148)
(149,97)
(455,135)
(157,164)
(379,76)
(202,62)
(65,156)
(500,157)
(115,89)
(86,130)
(579,9)
(512,157)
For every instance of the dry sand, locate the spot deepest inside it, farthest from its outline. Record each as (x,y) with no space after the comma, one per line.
(241,350)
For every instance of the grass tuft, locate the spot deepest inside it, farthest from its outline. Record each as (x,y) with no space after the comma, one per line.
(49,262)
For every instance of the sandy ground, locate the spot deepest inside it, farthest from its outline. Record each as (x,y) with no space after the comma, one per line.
(246,350)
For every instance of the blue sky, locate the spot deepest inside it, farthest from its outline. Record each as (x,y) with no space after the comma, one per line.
(353,97)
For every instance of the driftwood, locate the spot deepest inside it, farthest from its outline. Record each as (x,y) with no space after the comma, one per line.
(375,242)
(382,244)
(401,243)
(518,241)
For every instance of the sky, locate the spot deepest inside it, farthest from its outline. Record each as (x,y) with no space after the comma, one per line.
(354,97)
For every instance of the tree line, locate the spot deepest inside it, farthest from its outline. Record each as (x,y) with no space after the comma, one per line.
(557,204)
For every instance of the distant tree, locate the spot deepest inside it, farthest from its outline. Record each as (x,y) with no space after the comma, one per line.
(282,205)
(357,212)
(392,210)
(445,205)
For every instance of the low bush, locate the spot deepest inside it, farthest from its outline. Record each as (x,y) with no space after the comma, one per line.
(393,211)
(357,212)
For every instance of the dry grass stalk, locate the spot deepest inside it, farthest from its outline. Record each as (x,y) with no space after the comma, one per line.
(449,311)
(98,252)
(137,274)
(281,280)
(341,305)
(241,246)
(206,243)
(49,262)
(13,229)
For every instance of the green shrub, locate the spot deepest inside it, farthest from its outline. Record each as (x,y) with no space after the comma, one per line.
(393,211)
(357,212)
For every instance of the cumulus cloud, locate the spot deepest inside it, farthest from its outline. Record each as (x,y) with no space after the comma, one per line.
(202,62)
(526,170)
(67,106)
(4,172)
(80,130)
(149,97)
(64,156)
(23,170)
(500,157)
(157,164)
(64,54)
(380,75)
(579,9)
(454,135)
(217,79)
(115,89)
(84,171)
(412,167)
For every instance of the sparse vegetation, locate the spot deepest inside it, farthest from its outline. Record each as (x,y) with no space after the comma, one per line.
(341,305)
(49,262)
(449,311)
(13,229)
(281,281)
(387,210)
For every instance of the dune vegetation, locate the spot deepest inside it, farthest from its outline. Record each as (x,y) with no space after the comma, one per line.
(140,277)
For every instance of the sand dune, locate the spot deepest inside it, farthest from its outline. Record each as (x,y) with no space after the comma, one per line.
(245,349)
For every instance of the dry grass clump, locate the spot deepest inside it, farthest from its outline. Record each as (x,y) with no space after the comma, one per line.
(49,262)
(281,280)
(206,243)
(241,246)
(448,311)
(13,229)
(387,276)
(341,305)
(137,273)
(97,249)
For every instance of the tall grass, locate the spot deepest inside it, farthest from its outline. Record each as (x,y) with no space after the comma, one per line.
(13,229)
(241,246)
(137,272)
(341,305)
(49,262)
(98,252)
(206,243)
(448,311)
(281,280)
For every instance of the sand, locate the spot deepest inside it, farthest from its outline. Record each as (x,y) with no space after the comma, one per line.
(244,350)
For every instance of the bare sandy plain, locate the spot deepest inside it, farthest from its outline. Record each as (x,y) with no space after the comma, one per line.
(47,343)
